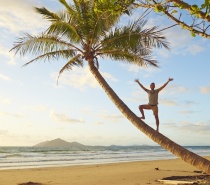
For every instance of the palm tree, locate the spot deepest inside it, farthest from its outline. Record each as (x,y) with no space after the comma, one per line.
(81,34)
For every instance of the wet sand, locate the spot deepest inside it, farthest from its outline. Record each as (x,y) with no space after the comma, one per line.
(127,173)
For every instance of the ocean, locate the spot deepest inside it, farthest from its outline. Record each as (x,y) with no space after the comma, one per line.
(33,157)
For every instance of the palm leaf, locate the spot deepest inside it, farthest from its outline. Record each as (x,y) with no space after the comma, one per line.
(141,57)
(133,36)
(101,26)
(41,44)
(67,6)
(65,29)
(81,30)
(53,55)
(47,14)
(75,61)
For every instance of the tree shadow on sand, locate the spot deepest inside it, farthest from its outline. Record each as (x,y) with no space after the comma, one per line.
(197,179)
(30,183)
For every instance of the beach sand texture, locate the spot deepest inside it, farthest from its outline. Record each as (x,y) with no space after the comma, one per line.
(127,173)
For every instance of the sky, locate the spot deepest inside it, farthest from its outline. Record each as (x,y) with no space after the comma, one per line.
(33,108)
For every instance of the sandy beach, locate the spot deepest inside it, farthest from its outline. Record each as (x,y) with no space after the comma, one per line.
(127,173)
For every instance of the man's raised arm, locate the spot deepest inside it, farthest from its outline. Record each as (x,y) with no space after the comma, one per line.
(170,79)
(137,81)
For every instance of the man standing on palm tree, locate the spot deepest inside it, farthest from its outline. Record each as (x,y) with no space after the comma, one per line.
(153,100)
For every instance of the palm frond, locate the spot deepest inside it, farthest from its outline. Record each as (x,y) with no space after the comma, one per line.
(55,55)
(67,6)
(133,36)
(47,14)
(88,19)
(71,12)
(75,61)
(40,44)
(87,27)
(64,29)
(141,57)
(101,25)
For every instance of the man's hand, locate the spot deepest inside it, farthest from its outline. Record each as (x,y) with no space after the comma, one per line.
(170,79)
(137,81)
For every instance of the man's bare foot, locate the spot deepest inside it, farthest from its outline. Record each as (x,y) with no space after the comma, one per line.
(157,129)
(142,117)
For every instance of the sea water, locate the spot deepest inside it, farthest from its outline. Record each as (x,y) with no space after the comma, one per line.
(32,157)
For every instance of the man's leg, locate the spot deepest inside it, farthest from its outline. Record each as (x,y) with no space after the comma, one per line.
(141,109)
(157,122)
(155,112)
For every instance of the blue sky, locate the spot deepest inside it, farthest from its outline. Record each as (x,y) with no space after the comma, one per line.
(34,109)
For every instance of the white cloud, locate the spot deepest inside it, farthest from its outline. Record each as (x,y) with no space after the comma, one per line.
(114,118)
(168,102)
(109,76)
(136,69)
(81,78)
(133,68)
(189,103)
(139,96)
(177,38)
(198,128)
(4,77)
(173,89)
(15,115)
(110,118)
(205,90)
(19,15)
(8,55)
(16,139)
(145,72)
(194,49)
(64,118)
(77,78)
(181,43)
(187,112)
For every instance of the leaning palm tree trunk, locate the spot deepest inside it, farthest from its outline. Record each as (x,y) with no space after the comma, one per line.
(187,156)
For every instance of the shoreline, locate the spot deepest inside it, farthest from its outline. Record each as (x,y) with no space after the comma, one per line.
(125,173)
(31,157)
(80,164)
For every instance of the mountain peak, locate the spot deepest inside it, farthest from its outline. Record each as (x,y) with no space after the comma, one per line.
(58,143)
(58,139)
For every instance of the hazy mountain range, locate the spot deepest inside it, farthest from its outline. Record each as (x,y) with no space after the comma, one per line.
(58,143)
(75,145)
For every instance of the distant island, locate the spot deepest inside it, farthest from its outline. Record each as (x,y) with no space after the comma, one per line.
(78,146)
(58,143)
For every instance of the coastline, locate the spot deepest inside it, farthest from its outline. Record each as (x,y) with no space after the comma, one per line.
(39,157)
(126,173)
